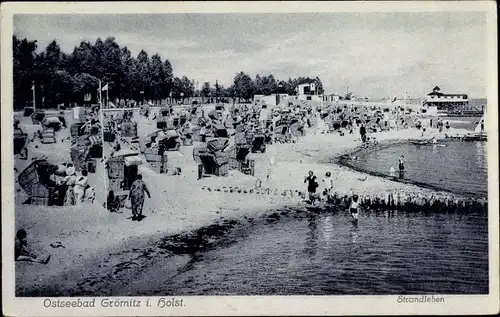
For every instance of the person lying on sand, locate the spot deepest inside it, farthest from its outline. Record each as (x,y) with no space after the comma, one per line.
(22,252)
(173,171)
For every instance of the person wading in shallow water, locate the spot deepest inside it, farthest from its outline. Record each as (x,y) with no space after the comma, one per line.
(312,184)
(401,166)
(354,207)
(137,197)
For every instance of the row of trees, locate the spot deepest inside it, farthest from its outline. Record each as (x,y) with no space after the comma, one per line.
(244,87)
(67,78)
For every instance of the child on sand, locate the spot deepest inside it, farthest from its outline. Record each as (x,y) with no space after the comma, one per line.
(392,172)
(22,252)
(112,202)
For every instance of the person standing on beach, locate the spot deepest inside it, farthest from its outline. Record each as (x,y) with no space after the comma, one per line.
(137,197)
(270,167)
(312,184)
(203,133)
(401,166)
(160,139)
(362,131)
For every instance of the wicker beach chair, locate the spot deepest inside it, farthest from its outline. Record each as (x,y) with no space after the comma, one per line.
(156,162)
(32,182)
(48,136)
(20,141)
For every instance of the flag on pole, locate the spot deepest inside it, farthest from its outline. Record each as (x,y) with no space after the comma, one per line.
(34,98)
(105,88)
(99,94)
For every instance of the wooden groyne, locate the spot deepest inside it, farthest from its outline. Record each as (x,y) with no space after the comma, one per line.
(415,201)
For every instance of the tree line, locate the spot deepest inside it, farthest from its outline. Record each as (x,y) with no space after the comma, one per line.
(61,78)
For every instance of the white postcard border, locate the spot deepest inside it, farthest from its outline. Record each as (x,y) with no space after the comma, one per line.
(250,305)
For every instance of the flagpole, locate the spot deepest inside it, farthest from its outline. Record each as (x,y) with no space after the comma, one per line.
(34,100)
(100,94)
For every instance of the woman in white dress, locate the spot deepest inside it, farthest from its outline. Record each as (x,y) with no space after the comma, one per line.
(70,181)
(80,185)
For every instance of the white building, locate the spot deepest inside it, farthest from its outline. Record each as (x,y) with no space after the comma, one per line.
(270,100)
(445,103)
(331,98)
(308,91)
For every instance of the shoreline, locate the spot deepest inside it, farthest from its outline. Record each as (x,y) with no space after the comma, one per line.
(345,160)
(104,243)
(174,254)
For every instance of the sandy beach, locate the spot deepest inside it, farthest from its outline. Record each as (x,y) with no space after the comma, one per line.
(98,243)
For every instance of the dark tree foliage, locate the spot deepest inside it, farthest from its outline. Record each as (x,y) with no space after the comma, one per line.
(67,78)
(61,78)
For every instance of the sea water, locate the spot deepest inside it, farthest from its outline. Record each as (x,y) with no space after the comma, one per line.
(326,254)
(458,166)
(384,253)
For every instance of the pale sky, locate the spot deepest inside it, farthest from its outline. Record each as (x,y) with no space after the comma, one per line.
(375,54)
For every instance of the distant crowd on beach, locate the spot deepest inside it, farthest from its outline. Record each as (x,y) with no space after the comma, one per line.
(276,124)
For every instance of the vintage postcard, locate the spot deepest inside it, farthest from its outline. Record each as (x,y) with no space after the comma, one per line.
(251,158)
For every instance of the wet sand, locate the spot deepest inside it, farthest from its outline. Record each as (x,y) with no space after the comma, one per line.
(99,245)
